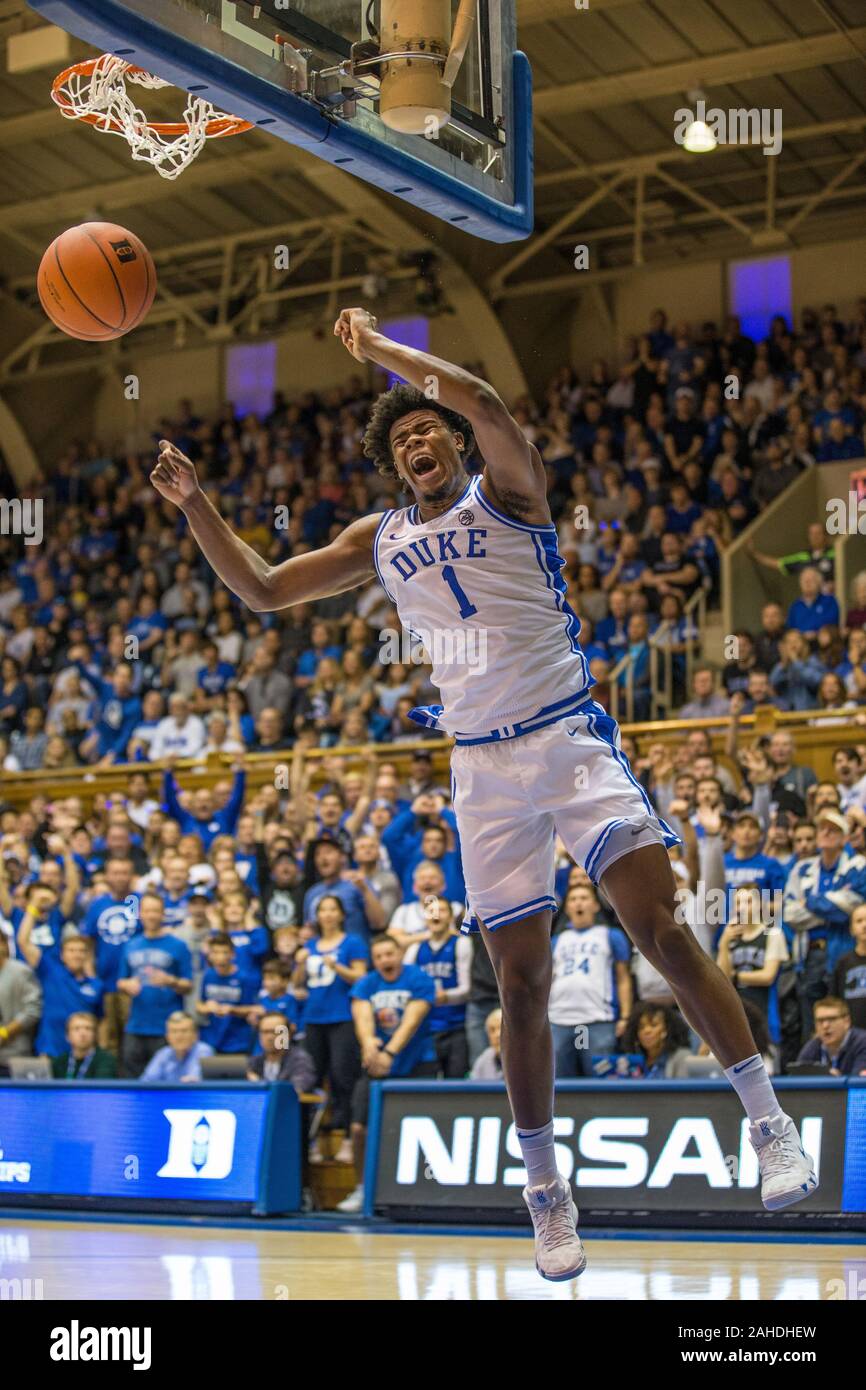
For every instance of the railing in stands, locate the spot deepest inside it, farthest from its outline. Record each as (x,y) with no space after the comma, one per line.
(816,734)
(661,664)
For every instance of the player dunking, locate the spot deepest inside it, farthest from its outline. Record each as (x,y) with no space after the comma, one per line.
(534,755)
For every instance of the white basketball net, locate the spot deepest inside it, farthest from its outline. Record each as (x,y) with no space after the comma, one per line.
(102,94)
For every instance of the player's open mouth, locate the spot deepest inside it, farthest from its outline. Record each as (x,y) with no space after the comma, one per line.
(422,464)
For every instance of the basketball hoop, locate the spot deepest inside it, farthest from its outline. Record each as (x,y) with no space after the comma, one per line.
(95,92)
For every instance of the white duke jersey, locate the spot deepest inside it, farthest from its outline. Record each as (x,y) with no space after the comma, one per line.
(484,596)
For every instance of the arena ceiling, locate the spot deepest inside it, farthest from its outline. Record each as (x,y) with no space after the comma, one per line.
(608,173)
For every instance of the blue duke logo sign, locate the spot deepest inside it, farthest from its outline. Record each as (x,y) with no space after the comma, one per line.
(201,1144)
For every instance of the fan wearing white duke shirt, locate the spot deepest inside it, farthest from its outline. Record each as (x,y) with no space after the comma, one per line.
(473,568)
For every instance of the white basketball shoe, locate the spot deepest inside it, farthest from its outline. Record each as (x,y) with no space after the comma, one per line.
(787,1171)
(558,1249)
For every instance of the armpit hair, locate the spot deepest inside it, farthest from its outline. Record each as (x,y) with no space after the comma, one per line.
(516,503)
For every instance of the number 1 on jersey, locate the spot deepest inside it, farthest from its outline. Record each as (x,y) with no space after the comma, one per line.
(467,608)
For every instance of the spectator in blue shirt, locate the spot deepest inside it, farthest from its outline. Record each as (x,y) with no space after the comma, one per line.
(226,997)
(797,675)
(14,695)
(820,895)
(682,510)
(67,986)
(446,957)
(813,609)
(214,677)
(42,903)
(329,866)
(175,891)
(426,831)
(275,997)
(612,631)
(320,646)
(639,650)
(118,711)
(155,973)
(149,626)
(391,1011)
(180,1059)
(837,444)
(112,919)
(326,968)
(205,819)
(745,864)
(252,943)
(625,571)
(832,410)
(661,341)
(247,853)
(95,547)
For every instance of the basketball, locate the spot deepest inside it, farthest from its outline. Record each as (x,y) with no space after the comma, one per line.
(97,281)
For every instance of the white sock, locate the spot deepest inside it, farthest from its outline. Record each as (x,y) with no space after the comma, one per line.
(752,1084)
(536,1145)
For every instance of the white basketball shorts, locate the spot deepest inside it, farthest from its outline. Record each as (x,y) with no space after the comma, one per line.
(512,797)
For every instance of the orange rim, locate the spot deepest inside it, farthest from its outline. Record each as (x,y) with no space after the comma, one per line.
(225,125)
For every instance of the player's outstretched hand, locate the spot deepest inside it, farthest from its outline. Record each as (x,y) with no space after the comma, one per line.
(174,476)
(349,327)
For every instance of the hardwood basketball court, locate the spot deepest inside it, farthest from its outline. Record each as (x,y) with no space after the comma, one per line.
(137,1262)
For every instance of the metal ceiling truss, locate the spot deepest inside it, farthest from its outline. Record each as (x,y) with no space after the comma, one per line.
(757,224)
(223,289)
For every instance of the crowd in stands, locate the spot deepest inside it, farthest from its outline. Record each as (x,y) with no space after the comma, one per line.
(117,643)
(315,933)
(312,928)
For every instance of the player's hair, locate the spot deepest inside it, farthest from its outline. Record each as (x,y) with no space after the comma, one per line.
(392,406)
(222,938)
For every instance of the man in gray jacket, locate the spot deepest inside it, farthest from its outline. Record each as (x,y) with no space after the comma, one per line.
(267,687)
(20,1006)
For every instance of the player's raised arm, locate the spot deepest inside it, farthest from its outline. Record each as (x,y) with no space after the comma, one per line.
(264,588)
(514,470)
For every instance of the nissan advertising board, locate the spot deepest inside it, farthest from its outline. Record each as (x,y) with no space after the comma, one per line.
(451,1148)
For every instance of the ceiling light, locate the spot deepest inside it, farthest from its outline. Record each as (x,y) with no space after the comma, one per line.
(698,138)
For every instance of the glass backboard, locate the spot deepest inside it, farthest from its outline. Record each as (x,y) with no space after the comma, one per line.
(360,83)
